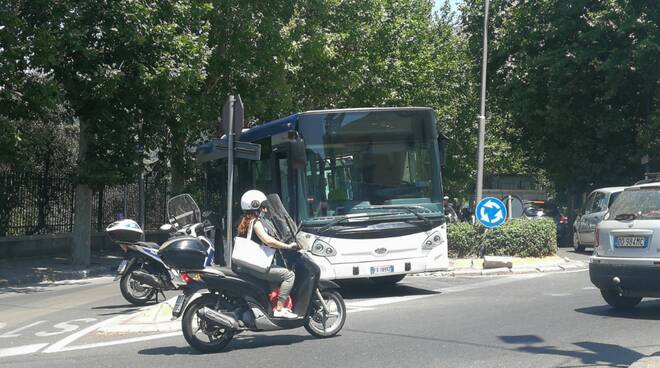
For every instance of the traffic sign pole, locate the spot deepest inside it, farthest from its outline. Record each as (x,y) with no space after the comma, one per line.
(230,174)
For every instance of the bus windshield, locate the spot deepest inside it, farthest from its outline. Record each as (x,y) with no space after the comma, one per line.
(372,161)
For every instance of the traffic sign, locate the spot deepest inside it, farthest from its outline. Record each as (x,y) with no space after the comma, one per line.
(491,212)
(219,148)
(233,113)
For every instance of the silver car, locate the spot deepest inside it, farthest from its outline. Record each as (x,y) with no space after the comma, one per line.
(594,209)
(626,261)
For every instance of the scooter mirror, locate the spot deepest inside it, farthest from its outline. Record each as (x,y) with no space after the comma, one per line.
(166,227)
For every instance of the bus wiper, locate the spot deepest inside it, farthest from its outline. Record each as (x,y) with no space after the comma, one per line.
(348,217)
(411,209)
(625,217)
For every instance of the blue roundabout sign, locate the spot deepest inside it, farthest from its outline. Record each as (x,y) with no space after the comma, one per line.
(491,212)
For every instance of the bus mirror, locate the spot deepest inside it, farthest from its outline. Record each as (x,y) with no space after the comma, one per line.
(297,153)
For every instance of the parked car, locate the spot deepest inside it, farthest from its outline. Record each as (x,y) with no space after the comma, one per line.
(627,254)
(548,209)
(592,212)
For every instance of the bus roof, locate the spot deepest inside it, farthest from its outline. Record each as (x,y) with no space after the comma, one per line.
(289,122)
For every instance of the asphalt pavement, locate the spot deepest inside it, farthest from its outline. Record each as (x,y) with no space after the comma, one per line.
(533,320)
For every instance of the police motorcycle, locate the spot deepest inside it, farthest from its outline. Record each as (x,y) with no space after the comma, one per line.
(143,274)
(234,302)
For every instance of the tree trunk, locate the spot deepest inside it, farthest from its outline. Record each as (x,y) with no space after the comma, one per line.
(82,226)
(82,222)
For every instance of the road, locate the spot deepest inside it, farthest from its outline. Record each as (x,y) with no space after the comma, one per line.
(535,320)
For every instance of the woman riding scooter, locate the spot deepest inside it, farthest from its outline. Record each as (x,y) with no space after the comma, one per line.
(253,205)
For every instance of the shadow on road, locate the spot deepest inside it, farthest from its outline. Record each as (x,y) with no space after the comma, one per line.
(588,352)
(239,343)
(354,289)
(646,310)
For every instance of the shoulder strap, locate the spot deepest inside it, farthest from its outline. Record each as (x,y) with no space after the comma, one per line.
(249,233)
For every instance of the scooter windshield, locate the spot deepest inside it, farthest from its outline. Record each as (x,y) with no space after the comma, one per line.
(280,218)
(183,210)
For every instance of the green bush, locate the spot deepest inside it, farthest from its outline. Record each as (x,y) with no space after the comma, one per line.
(517,237)
(463,239)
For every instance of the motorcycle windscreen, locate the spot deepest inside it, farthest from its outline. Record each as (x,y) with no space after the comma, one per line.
(283,223)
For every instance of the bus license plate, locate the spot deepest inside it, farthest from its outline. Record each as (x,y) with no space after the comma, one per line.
(382,269)
(631,242)
(178,304)
(122,267)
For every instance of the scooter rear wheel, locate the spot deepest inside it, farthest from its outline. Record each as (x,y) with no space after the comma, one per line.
(322,323)
(198,333)
(134,292)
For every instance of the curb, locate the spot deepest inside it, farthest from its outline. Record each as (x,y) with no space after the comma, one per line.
(54,275)
(154,318)
(544,268)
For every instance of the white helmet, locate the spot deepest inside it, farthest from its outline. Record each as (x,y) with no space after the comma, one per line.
(252,200)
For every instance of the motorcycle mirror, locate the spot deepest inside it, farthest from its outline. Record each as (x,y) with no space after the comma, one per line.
(166,227)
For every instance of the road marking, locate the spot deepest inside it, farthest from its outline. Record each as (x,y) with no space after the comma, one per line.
(115,342)
(557,294)
(13,333)
(590,288)
(2,325)
(21,350)
(64,327)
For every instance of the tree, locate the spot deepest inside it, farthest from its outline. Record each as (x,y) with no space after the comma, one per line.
(578,83)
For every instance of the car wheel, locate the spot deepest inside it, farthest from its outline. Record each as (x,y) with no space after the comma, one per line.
(576,243)
(613,298)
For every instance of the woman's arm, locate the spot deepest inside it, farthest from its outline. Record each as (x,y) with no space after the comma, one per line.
(267,239)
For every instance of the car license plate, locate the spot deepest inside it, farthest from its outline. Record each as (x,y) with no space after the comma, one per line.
(122,267)
(178,304)
(382,269)
(631,242)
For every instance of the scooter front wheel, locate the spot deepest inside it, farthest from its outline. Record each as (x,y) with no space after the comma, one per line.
(326,323)
(201,335)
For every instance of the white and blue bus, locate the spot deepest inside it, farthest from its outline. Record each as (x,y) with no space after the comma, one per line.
(365,183)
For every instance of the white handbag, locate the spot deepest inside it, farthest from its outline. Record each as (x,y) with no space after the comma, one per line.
(252,255)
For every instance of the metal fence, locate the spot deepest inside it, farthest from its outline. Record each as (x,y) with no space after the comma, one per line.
(31,205)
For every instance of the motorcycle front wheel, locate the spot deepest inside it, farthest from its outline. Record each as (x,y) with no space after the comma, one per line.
(201,335)
(326,323)
(134,292)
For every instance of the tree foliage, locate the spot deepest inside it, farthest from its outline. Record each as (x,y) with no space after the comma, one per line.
(577,82)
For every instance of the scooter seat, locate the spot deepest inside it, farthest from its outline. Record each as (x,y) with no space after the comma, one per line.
(149,245)
(263,284)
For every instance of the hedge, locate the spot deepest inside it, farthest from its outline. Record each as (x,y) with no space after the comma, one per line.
(516,237)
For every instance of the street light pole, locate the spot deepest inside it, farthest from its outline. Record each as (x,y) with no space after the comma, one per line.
(482,112)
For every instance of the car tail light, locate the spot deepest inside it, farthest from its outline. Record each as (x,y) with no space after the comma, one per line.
(185,277)
(563,219)
(597,236)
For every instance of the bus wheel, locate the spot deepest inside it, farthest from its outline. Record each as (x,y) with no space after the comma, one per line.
(387,280)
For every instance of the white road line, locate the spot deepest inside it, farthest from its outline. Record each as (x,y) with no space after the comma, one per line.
(115,342)
(21,350)
(590,288)
(13,333)
(558,294)
(61,345)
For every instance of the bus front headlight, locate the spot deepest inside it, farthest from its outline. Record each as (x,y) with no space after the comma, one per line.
(432,241)
(323,249)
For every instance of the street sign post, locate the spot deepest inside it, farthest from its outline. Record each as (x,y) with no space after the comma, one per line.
(491,212)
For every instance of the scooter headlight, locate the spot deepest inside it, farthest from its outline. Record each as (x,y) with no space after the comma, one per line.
(432,241)
(323,249)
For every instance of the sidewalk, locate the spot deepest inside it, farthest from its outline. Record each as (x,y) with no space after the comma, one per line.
(650,362)
(25,271)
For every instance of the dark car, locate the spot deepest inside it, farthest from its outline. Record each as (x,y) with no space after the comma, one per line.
(548,209)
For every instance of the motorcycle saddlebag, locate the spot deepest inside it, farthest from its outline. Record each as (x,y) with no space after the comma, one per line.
(183,253)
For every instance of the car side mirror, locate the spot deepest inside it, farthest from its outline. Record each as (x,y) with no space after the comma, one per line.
(442,147)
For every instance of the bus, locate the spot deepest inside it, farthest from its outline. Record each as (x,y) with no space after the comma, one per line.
(365,184)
